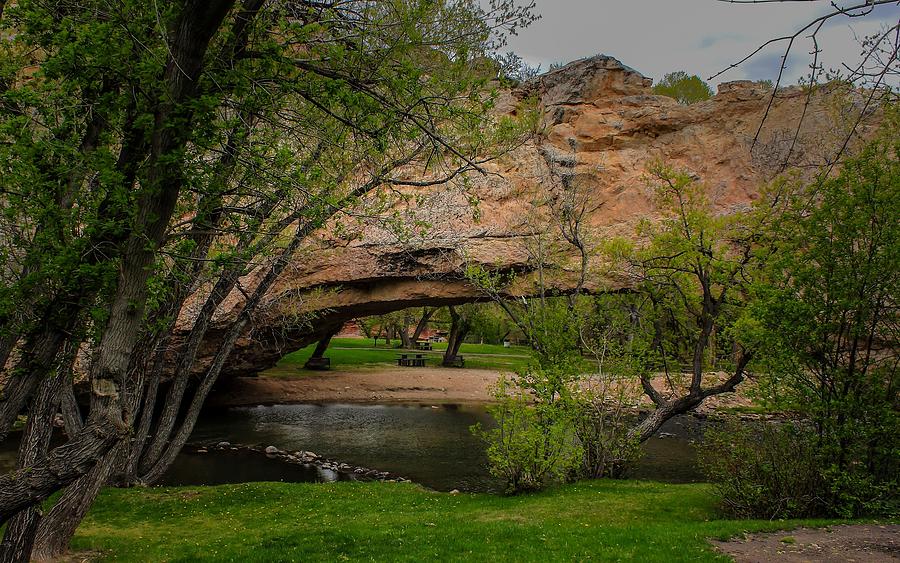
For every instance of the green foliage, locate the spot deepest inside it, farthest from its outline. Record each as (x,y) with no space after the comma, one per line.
(548,323)
(491,325)
(823,320)
(689,274)
(532,445)
(558,419)
(764,470)
(826,321)
(601,421)
(687,89)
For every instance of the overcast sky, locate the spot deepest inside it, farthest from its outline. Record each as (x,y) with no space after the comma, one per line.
(698,36)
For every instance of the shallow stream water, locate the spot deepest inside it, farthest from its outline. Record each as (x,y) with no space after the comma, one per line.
(430,445)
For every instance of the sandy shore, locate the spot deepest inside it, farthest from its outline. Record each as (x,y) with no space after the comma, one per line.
(388,385)
(391,385)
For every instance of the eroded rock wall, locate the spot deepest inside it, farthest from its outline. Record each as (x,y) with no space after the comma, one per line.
(601,126)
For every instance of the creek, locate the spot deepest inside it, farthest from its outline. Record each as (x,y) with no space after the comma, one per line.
(430,445)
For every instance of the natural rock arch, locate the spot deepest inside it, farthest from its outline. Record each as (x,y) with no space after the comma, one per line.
(601,126)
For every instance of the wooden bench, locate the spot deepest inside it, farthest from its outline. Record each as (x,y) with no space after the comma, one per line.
(407,360)
(423,345)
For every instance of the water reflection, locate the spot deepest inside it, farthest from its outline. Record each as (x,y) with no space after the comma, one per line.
(430,445)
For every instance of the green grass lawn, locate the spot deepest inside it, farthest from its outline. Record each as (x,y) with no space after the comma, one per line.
(351,353)
(599,520)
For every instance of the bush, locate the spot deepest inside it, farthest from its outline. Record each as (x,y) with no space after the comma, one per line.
(601,423)
(764,470)
(785,470)
(532,445)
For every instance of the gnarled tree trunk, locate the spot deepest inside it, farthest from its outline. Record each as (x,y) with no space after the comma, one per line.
(459,329)
(58,526)
(423,322)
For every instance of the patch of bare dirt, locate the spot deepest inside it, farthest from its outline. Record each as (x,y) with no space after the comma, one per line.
(404,385)
(863,543)
(389,385)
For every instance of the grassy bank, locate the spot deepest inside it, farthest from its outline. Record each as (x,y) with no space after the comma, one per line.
(350,353)
(602,520)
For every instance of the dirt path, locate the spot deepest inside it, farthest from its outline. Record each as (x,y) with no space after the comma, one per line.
(863,543)
(383,385)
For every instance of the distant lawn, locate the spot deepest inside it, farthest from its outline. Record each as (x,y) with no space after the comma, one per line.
(599,520)
(349,353)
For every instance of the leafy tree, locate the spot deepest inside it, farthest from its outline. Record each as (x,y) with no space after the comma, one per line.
(579,403)
(687,89)
(826,322)
(151,152)
(691,272)
(514,69)
(490,324)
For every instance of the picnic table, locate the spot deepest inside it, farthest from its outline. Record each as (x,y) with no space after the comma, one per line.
(423,345)
(411,360)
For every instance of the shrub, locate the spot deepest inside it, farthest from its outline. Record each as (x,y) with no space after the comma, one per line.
(601,423)
(764,470)
(532,445)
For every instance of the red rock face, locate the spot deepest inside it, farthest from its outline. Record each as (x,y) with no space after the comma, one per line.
(601,127)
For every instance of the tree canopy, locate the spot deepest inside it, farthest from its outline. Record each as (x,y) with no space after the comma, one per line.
(153,151)
(687,89)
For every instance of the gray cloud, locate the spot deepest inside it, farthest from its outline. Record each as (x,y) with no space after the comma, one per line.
(766,67)
(700,37)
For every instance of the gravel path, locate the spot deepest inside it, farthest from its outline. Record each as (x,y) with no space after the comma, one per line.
(863,543)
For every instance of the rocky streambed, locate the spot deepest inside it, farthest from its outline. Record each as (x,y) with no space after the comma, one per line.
(431,445)
(326,467)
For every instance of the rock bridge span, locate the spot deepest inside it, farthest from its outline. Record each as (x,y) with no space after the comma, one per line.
(601,126)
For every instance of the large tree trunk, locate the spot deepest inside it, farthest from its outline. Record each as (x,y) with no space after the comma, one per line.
(405,341)
(58,526)
(37,362)
(68,407)
(321,347)
(651,424)
(161,464)
(459,329)
(667,409)
(186,359)
(423,322)
(20,530)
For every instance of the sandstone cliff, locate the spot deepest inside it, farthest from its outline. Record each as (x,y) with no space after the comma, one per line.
(601,126)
